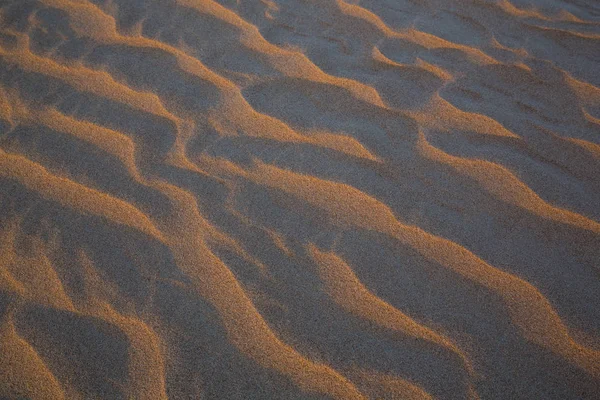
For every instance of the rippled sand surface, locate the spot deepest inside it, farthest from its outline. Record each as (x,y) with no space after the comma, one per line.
(299,199)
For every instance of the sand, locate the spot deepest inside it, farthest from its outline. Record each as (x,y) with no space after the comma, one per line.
(299,199)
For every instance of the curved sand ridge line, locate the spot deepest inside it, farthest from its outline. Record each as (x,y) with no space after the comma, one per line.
(287,366)
(21,365)
(18,113)
(504,185)
(103,29)
(20,356)
(36,282)
(351,295)
(163,260)
(291,64)
(91,21)
(36,178)
(85,79)
(262,345)
(529,309)
(246,328)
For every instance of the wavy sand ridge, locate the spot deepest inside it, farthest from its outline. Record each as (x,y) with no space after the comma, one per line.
(284,199)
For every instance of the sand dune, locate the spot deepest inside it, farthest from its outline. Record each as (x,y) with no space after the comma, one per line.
(288,199)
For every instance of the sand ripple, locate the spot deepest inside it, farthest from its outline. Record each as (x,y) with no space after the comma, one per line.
(280,199)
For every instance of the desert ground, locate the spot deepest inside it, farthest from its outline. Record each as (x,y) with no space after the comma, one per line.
(299,199)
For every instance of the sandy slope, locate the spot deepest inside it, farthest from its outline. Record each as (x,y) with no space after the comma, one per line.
(298,199)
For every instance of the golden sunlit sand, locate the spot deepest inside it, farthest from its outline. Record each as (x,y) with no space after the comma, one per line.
(292,199)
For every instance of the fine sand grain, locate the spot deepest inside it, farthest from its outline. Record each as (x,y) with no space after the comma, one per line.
(299,199)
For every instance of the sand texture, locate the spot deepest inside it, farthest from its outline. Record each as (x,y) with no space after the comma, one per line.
(299,199)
